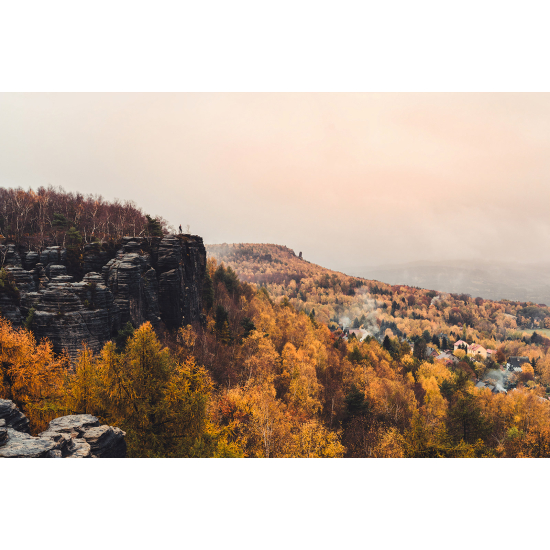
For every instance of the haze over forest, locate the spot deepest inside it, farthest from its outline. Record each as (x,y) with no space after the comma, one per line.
(492,280)
(349,179)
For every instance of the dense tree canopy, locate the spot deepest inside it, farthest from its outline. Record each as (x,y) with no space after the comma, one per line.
(53,216)
(261,377)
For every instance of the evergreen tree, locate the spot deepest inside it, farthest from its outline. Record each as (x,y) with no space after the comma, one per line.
(127,331)
(154,229)
(248,326)
(74,238)
(355,356)
(59,220)
(221,317)
(228,277)
(420,349)
(208,291)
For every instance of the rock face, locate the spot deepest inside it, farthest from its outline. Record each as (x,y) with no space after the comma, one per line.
(12,417)
(106,442)
(70,313)
(3,432)
(163,283)
(133,282)
(158,280)
(181,264)
(73,436)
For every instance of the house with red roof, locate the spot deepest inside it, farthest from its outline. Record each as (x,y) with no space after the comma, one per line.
(460,343)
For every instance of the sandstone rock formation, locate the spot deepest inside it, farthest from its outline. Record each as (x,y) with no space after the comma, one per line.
(72,436)
(12,417)
(3,432)
(158,280)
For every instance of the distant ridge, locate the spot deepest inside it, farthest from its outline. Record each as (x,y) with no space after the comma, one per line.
(489,280)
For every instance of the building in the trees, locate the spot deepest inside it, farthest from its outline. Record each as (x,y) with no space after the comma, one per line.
(360,333)
(476,349)
(447,357)
(460,343)
(431,352)
(514,363)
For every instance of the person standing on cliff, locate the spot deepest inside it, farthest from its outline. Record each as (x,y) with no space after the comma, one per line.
(180,229)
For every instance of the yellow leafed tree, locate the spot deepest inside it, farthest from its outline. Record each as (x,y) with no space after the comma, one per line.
(31,375)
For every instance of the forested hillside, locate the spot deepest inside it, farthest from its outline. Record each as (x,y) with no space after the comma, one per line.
(287,359)
(404,314)
(397,309)
(260,379)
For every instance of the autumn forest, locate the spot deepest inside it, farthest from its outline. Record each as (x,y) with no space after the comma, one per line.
(287,358)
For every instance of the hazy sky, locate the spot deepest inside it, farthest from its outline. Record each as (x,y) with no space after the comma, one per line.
(348,179)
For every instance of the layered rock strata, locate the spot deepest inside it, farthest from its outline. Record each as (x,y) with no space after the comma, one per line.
(158,280)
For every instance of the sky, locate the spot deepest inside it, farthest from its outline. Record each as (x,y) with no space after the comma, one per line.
(358,179)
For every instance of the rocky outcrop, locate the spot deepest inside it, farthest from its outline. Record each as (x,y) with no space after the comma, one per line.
(72,424)
(53,255)
(94,258)
(158,280)
(3,432)
(9,256)
(70,313)
(106,442)
(133,282)
(12,417)
(181,264)
(22,445)
(72,436)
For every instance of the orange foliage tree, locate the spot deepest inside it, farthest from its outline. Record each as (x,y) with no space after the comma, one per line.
(31,375)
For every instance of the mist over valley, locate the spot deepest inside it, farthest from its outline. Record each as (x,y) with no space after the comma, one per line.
(489,280)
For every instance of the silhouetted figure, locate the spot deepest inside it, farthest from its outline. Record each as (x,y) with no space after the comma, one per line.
(180,229)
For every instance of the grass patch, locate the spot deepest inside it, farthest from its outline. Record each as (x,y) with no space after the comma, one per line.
(542,331)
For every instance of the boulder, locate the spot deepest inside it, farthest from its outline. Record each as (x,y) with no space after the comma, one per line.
(22,445)
(106,442)
(80,436)
(71,436)
(72,424)
(80,449)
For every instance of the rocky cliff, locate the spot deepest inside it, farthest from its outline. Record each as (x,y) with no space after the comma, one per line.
(158,280)
(72,436)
